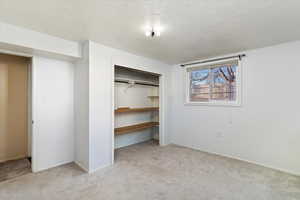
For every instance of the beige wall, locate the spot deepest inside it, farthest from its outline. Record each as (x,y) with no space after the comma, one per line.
(13,107)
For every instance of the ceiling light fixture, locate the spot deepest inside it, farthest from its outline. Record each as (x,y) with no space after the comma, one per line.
(154,31)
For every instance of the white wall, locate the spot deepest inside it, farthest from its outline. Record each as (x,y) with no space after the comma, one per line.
(53,92)
(265,129)
(102,59)
(20,39)
(53,113)
(81,101)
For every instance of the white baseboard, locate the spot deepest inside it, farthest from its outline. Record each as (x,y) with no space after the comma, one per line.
(99,168)
(80,165)
(52,166)
(244,160)
(14,158)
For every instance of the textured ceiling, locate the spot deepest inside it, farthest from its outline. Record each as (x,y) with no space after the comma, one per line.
(193,29)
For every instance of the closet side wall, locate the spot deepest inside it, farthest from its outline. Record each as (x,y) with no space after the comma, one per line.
(81,106)
(13,107)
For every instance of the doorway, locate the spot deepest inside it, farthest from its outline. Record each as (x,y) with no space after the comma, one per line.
(15,116)
(137,108)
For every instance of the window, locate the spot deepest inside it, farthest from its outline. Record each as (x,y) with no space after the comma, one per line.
(216,83)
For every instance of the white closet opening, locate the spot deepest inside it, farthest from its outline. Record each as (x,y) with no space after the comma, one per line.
(15,116)
(136,107)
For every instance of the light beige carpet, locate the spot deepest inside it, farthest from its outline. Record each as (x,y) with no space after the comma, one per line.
(147,171)
(14,168)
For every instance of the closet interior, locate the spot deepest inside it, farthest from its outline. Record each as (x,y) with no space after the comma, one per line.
(136,106)
(15,120)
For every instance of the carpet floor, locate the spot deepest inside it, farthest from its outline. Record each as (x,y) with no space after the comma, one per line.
(14,168)
(147,171)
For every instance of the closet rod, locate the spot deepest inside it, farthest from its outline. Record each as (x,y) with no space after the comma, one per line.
(138,83)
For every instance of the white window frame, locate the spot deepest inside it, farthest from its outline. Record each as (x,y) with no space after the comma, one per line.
(237,102)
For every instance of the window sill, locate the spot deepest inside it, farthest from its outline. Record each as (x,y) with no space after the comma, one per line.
(217,104)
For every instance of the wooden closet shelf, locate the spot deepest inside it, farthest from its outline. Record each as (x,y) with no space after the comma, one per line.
(136,127)
(129,110)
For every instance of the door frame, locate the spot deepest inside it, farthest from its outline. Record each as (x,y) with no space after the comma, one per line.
(162,108)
